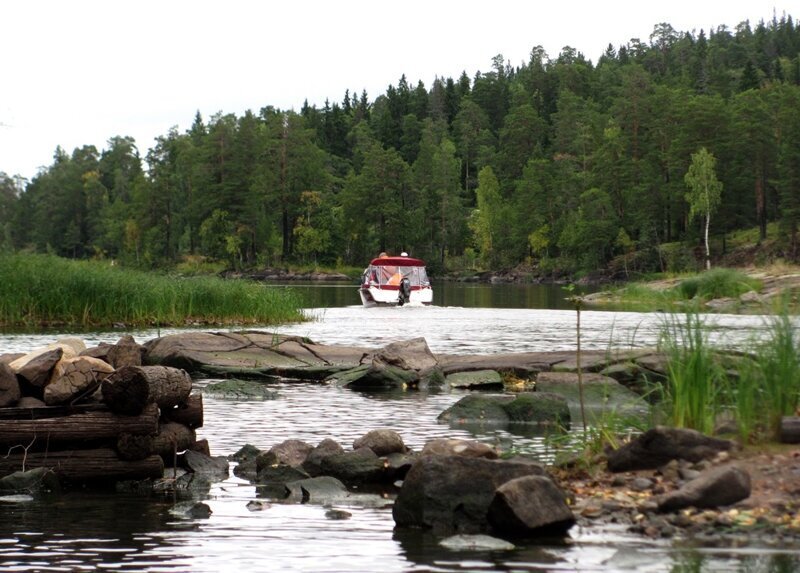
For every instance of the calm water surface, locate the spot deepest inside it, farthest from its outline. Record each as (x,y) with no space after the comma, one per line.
(90,531)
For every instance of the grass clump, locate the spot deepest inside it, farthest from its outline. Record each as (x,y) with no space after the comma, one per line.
(43,290)
(716,283)
(768,387)
(694,393)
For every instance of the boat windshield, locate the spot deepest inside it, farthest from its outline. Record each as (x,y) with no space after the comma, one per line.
(392,275)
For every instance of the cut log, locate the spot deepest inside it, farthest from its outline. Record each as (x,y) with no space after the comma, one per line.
(79,466)
(190,413)
(790,430)
(42,410)
(128,389)
(134,447)
(91,425)
(171,439)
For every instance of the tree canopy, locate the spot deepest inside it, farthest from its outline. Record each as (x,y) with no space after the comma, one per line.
(558,161)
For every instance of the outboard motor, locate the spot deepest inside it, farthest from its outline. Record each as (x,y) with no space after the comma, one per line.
(405,292)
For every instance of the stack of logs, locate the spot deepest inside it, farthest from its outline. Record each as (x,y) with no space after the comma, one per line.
(95,415)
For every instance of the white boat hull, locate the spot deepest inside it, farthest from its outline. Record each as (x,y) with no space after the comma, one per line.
(376,296)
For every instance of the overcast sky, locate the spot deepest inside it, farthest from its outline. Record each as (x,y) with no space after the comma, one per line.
(78,72)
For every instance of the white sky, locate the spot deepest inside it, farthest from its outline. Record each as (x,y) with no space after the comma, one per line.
(78,72)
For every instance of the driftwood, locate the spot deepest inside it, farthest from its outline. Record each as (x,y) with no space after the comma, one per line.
(790,430)
(101,464)
(129,389)
(68,429)
(190,413)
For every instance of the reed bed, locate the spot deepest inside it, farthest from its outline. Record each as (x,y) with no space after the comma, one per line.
(754,389)
(43,290)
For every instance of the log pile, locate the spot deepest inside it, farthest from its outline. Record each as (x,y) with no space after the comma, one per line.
(95,415)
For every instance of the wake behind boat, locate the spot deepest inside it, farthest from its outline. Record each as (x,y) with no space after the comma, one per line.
(395,281)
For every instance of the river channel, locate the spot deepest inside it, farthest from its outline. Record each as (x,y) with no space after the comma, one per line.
(90,531)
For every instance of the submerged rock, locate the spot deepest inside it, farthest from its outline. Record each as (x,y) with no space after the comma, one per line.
(524,408)
(483,379)
(234,389)
(477,542)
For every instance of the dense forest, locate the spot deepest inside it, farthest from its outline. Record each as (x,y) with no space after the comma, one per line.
(559,163)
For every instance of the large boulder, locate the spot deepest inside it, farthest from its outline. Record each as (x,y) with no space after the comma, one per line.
(313,462)
(376,376)
(661,444)
(289,452)
(9,386)
(530,506)
(356,467)
(452,494)
(216,468)
(74,378)
(411,354)
(399,365)
(721,486)
(34,370)
(381,441)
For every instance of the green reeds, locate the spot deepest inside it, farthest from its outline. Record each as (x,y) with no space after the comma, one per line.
(769,384)
(42,290)
(696,382)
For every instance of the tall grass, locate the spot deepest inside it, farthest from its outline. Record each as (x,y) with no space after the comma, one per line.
(716,283)
(696,382)
(758,387)
(769,385)
(41,290)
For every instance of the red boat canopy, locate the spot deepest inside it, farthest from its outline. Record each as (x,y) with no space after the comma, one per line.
(397,262)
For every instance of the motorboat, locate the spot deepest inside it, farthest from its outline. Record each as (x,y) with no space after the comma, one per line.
(395,281)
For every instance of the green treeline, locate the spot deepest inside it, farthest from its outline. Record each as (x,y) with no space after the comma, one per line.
(559,162)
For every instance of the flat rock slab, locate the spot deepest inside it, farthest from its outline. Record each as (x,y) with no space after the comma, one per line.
(475,379)
(600,393)
(250,351)
(266,355)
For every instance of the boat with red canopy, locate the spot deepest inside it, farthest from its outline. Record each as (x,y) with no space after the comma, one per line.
(395,281)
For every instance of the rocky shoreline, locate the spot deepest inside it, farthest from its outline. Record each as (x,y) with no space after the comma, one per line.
(664,484)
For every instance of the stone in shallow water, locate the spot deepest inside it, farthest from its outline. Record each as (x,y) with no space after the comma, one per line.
(476,543)
(234,389)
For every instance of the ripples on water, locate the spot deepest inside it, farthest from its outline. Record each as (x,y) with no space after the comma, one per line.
(86,531)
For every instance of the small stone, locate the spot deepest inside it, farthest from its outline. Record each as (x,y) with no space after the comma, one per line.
(641,484)
(337,514)
(257,505)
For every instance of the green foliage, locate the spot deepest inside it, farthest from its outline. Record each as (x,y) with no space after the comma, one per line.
(768,386)
(696,381)
(44,290)
(591,152)
(716,283)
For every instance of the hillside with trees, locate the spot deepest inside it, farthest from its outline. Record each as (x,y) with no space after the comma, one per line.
(560,163)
